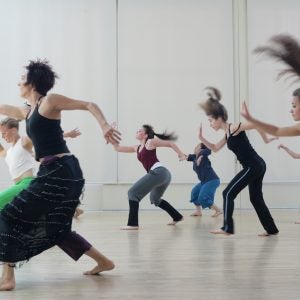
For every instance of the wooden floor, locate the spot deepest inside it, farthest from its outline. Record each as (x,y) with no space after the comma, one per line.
(164,262)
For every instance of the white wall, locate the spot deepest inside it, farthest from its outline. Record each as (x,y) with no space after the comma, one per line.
(147,61)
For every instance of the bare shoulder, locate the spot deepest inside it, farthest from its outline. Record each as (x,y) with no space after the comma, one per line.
(151,144)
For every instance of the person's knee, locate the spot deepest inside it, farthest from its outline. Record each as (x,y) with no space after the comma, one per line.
(132,195)
(156,201)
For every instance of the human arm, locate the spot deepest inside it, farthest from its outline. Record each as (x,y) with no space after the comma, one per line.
(269,128)
(213,147)
(155,142)
(2,151)
(56,103)
(289,151)
(16,112)
(125,149)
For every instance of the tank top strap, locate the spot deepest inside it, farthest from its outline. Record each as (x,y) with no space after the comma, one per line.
(237,129)
(39,101)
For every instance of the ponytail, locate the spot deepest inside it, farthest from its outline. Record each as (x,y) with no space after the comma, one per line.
(163,136)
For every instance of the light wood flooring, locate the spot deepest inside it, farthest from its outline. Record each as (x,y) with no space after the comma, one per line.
(183,262)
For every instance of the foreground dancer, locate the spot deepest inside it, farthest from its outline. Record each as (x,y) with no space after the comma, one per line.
(203,193)
(286,49)
(157,178)
(254,167)
(40,217)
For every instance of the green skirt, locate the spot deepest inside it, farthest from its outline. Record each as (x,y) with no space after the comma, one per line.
(10,193)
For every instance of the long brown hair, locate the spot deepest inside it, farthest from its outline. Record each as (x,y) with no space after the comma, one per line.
(163,136)
(284,48)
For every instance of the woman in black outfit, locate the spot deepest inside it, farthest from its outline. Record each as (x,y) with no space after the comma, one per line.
(40,217)
(254,167)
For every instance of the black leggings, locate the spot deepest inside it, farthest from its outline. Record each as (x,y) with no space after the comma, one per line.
(252,175)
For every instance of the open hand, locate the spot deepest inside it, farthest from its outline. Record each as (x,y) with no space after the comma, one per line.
(111,134)
(74,133)
(245,112)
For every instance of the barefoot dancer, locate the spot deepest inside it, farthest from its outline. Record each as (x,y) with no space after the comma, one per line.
(254,167)
(157,178)
(40,217)
(203,193)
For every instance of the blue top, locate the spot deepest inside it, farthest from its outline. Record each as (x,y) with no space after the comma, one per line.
(204,171)
(46,135)
(239,144)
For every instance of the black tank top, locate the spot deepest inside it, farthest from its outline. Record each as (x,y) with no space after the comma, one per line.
(46,135)
(239,144)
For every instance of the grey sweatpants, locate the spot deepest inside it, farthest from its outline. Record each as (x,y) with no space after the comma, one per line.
(155,182)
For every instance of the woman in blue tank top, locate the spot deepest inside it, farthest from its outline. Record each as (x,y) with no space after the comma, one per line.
(40,217)
(253,170)
(286,49)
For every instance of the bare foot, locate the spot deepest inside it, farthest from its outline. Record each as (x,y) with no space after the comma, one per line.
(196,214)
(220,231)
(107,266)
(175,222)
(78,212)
(7,285)
(130,228)
(217,213)
(267,234)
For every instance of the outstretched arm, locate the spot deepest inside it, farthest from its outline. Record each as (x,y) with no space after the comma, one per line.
(16,112)
(153,143)
(269,128)
(125,149)
(213,147)
(289,151)
(58,103)
(266,138)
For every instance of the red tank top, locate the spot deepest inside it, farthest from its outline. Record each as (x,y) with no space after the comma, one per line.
(147,157)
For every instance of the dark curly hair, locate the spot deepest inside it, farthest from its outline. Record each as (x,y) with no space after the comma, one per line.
(40,75)
(212,106)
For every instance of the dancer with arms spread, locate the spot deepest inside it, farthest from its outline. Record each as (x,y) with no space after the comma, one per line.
(286,49)
(253,170)
(40,217)
(157,178)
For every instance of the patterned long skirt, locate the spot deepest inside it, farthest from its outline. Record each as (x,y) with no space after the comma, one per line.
(41,215)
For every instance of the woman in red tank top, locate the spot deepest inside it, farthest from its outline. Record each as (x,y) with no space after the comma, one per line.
(157,178)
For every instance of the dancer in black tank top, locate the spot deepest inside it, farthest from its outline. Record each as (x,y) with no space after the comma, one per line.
(40,217)
(253,165)
(286,49)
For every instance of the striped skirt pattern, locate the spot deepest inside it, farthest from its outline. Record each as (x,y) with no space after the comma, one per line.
(41,215)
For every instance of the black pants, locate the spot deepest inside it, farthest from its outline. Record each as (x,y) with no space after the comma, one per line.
(252,175)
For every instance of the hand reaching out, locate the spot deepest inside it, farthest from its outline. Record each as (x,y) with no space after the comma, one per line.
(182,157)
(111,134)
(74,133)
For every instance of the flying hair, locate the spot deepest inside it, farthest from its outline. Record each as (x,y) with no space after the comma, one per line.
(286,49)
